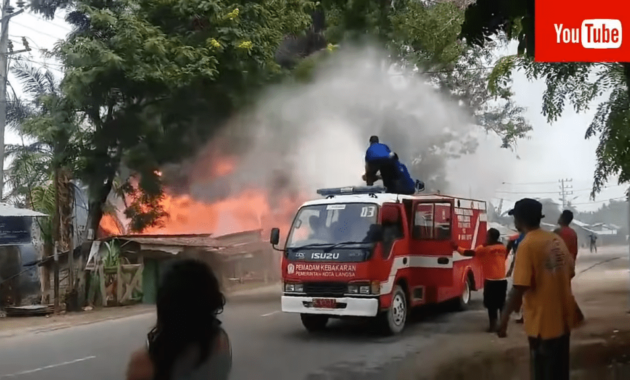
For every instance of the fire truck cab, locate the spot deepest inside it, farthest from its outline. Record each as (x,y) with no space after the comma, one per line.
(361,252)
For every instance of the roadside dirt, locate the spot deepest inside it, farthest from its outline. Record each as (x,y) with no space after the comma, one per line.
(19,325)
(600,349)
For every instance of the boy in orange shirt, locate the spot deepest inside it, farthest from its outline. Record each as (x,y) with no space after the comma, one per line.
(542,282)
(492,256)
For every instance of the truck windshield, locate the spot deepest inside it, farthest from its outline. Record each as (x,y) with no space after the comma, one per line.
(319,225)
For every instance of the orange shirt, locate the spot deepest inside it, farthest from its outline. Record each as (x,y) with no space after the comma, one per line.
(546,267)
(570,239)
(492,258)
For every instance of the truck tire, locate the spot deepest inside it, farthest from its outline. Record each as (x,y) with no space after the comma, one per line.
(463,301)
(314,322)
(393,320)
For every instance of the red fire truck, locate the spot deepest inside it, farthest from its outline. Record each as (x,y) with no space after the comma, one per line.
(361,252)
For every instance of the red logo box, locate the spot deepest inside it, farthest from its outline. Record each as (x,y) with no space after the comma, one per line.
(582,31)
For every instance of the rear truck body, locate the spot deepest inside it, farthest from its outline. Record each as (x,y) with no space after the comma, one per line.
(360,252)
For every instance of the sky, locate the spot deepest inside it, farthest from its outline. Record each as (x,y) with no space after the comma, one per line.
(550,153)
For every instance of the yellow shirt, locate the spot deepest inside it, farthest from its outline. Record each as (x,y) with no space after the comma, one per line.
(544,264)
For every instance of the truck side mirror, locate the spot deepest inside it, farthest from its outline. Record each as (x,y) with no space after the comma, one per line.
(274,237)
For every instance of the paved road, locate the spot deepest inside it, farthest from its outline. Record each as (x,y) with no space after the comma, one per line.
(267,344)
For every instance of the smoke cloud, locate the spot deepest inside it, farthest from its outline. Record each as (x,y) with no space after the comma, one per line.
(300,137)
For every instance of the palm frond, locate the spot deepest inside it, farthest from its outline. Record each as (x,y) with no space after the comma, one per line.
(17,149)
(35,81)
(18,111)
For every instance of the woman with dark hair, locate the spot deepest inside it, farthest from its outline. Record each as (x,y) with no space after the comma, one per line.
(187,341)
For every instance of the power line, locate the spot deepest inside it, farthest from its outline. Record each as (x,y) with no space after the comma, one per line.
(551,192)
(37,31)
(529,183)
(526,192)
(571,203)
(46,65)
(600,201)
(39,19)
(40,62)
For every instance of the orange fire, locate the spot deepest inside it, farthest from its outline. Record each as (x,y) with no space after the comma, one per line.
(248,210)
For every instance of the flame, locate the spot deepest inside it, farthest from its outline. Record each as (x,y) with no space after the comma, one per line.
(250,209)
(109,226)
(223,167)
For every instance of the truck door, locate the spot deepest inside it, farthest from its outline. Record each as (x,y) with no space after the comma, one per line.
(431,243)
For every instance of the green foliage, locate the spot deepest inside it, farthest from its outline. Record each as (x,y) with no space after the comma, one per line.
(45,117)
(485,19)
(573,84)
(153,80)
(156,78)
(42,199)
(579,85)
(112,254)
(425,36)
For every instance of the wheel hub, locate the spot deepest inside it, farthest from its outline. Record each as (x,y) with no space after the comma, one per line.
(466,293)
(399,310)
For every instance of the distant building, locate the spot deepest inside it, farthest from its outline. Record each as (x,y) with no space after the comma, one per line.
(18,280)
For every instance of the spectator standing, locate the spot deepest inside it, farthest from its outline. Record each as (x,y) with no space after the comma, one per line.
(492,256)
(570,239)
(187,341)
(593,242)
(542,282)
(567,233)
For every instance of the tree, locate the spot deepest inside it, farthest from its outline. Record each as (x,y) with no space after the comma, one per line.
(568,84)
(421,37)
(30,162)
(47,118)
(424,36)
(43,199)
(155,79)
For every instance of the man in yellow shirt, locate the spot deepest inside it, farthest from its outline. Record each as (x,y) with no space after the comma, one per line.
(542,282)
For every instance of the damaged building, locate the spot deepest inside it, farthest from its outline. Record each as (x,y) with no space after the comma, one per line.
(126,269)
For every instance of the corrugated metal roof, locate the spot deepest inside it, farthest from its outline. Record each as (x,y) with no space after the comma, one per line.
(195,240)
(503,230)
(204,240)
(8,210)
(242,237)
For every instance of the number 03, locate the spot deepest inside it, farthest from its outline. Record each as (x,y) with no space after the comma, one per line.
(368,212)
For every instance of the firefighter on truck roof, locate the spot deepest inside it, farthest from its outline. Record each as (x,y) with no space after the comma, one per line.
(394,174)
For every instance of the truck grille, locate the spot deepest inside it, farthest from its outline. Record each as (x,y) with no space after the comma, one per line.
(325,289)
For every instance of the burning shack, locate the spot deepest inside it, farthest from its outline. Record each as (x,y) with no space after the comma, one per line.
(126,269)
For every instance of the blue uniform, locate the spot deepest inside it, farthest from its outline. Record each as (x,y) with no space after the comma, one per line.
(377,151)
(406,184)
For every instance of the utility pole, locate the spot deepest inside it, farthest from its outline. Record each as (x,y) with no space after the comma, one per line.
(5,51)
(56,277)
(565,189)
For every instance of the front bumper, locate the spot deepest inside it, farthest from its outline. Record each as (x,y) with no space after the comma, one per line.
(346,306)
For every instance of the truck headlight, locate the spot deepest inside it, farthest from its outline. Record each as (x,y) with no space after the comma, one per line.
(293,288)
(365,288)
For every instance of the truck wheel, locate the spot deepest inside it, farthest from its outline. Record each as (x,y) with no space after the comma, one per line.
(314,322)
(394,319)
(464,299)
